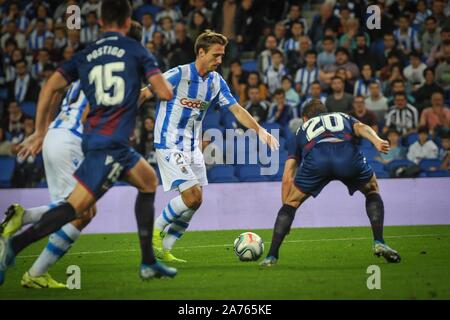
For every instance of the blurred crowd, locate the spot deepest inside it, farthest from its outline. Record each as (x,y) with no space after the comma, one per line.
(281,54)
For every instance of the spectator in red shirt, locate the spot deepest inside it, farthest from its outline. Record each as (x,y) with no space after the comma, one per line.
(438,115)
(364,115)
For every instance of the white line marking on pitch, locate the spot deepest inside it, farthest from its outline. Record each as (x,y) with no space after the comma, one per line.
(230,245)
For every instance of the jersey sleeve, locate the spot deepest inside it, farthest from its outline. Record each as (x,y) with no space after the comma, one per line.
(294,149)
(225,98)
(148,62)
(69,69)
(173,76)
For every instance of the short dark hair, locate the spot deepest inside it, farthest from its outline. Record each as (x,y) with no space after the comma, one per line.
(287,77)
(207,39)
(337,78)
(314,108)
(342,50)
(327,38)
(115,12)
(431,18)
(422,129)
(252,87)
(276,51)
(311,51)
(403,94)
(20,61)
(428,69)
(415,54)
(278,91)
(135,31)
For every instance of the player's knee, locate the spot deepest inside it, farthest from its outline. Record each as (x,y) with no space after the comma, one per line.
(193,197)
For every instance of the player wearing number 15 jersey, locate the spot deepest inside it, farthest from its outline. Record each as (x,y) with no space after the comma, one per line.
(324,150)
(110,72)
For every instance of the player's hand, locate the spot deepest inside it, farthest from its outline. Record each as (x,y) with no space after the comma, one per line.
(382,146)
(268,139)
(31,146)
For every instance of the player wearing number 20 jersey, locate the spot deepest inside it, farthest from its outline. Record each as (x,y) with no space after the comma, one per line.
(321,162)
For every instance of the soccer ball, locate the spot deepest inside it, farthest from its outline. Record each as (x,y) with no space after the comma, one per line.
(248,246)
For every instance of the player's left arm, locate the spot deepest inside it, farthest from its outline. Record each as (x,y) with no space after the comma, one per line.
(364,131)
(249,122)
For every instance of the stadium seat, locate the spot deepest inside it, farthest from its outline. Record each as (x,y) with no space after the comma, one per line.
(410,139)
(250,65)
(427,164)
(438,173)
(7,165)
(29,108)
(376,166)
(222,173)
(397,163)
(250,173)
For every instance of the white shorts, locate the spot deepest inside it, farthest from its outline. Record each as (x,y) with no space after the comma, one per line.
(62,156)
(180,169)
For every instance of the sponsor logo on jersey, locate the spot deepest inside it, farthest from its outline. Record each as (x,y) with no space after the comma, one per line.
(194,104)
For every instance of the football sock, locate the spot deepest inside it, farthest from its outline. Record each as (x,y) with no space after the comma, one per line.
(33,215)
(282,227)
(58,244)
(177,229)
(171,212)
(144,211)
(375,212)
(50,221)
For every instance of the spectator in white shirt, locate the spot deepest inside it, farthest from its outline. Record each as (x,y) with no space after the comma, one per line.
(403,116)
(423,148)
(275,72)
(376,101)
(265,57)
(414,72)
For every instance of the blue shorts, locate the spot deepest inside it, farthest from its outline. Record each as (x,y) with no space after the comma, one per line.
(101,168)
(332,161)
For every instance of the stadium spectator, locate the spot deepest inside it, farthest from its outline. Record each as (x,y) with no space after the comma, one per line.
(403,117)
(11,57)
(361,54)
(265,56)
(199,6)
(348,38)
(437,51)
(246,22)
(168,31)
(342,73)
(396,151)
(6,147)
(329,32)
(37,68)
(400,7)
(320,22)
(376,101)
(254,80)
(443,69)
(161,46)
(389,53)
(438,10)
(14,122)
(423,94)
(295,15)
(296,58)
(24,87)
(327,56)
(423,148)
(256,106)
(362,84)
(60,36)
(182,51)
(422,13)
(145,144)
(37,37)
(414,72)
(170,10)
(280,34)
(275,72)
(407,38)
(315,92)
(279,111)
(339,100)
(14,14)
(308,74)
(291,96)
(436,117)
(41,13)
(296,31)
(157,54)
(237,78)
(342,61)
(197,24)
(398,85)
(12,32)
(91,31)
(222,21)
(364,115)
(91,6)
(49,45)
(73,40)
(68,53)
(148,27)
(431,36)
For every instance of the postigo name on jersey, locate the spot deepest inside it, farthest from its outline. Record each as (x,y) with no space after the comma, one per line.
(106,50)
(194,104)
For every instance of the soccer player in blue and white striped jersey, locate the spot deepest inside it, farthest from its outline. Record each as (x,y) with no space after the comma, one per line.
(197,87)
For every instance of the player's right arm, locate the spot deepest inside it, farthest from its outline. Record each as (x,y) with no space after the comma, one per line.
(161,87)
(364,131)
(47,97)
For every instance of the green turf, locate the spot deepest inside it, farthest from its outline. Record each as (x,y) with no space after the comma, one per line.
(321,263)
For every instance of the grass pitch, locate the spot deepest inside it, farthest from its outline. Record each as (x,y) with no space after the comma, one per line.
(320,263)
